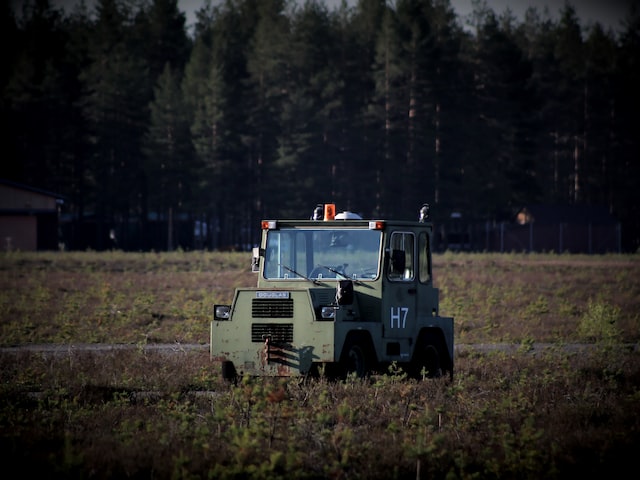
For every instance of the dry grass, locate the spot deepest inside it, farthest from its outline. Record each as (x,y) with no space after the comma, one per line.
(115,297)
(541,298)
(86,297)
(144,413)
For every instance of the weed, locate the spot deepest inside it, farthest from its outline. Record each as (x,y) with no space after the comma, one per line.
(600,323)
(138,412)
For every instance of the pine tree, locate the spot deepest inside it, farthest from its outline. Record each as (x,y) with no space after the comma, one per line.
(309,101)
(203,93)
(385,115)
(496,174)
(360,149)
(115,105)
(451,85)
(626,143)
(268,69)
(214,91)
(163,37)
(38,100)
(168,167)
(599,113)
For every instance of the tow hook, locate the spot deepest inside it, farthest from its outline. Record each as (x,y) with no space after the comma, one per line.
(267,341)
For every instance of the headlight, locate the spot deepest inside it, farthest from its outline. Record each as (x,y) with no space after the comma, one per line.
(221,312)
(328,312)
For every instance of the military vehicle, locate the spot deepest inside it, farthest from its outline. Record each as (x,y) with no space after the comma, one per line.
(337,295)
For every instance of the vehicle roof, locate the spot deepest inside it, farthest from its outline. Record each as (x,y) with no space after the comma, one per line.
(332,224)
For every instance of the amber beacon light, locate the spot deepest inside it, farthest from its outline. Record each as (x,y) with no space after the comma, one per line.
(329,211)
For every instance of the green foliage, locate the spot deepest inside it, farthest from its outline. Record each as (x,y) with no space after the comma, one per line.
(522,411)
(511,415)
(599,323)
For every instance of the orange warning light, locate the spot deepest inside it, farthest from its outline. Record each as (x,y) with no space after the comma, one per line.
(329,211)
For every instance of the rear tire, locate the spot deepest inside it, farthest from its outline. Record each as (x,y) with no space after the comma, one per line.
(426,362)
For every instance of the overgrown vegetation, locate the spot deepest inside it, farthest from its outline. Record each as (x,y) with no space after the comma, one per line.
(525,410)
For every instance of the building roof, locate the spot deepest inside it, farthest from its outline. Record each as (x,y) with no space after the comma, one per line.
(28,188)
(17,198)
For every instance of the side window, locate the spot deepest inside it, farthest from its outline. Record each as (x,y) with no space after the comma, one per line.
(401,256)
(273,255)
(424,255)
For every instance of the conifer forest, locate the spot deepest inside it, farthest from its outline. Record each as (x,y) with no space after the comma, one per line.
(265,108)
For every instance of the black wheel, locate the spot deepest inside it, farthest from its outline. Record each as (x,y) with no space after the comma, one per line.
(426,362)
(229,371)
(356,360)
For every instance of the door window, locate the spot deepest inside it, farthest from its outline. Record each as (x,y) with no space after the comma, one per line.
(401,256)
(424,255)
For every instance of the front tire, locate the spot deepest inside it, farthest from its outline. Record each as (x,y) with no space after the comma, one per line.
(229,371)
(356,360)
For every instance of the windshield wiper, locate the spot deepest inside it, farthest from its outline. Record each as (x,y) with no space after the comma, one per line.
(289,269)
(341,274)
(336,272)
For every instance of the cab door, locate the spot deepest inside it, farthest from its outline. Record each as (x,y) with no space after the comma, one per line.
(427,297)
(399,304)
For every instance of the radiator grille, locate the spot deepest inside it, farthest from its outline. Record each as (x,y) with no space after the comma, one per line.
(278,332)
(272,308)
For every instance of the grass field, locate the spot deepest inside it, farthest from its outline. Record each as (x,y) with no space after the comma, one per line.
(137,412)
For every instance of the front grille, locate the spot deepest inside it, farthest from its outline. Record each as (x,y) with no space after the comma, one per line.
(277,332)
(272,308)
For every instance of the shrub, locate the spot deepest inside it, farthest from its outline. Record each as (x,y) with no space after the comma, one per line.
(599,323)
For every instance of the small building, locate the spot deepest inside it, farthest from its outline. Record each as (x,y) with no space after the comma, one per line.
(28,217)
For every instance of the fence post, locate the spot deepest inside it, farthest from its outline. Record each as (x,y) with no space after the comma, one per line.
(560,240)
(619,238)
(486,236)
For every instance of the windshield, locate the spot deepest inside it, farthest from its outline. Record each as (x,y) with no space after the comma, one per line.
(322,253)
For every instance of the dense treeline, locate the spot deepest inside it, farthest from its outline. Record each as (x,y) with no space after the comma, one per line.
(268,107)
